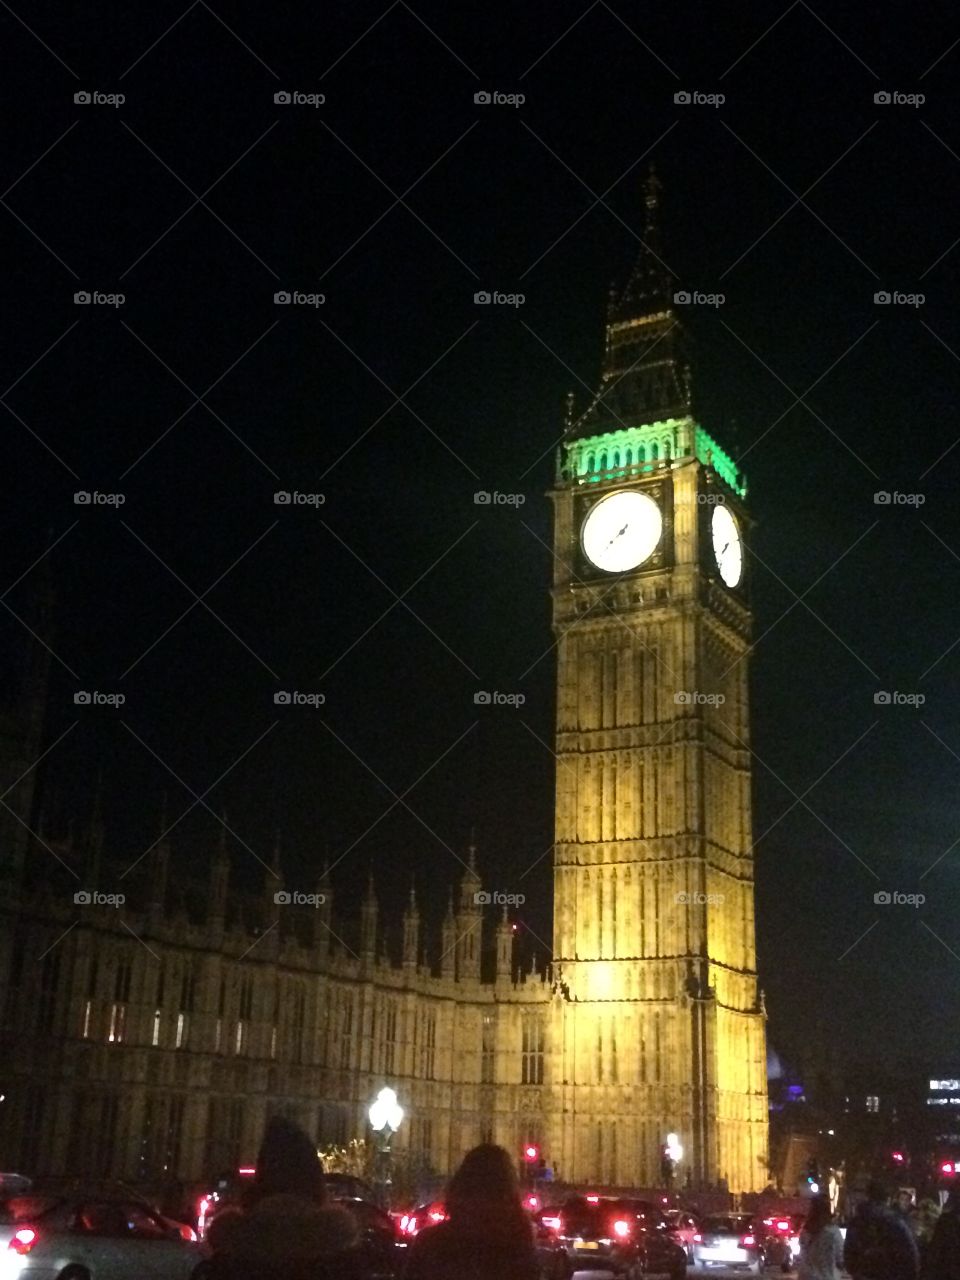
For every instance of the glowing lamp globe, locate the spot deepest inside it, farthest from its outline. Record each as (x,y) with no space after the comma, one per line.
(385,1111)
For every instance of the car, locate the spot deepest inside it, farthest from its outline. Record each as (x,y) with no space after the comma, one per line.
(76,1237)
(552,1257)
(661,1252)
(683,1227)
(781,1241)
(628,1237)
(729,1240)
(380,1245)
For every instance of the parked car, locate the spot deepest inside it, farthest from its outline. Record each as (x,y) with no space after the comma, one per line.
(728,1240)
(81,1236)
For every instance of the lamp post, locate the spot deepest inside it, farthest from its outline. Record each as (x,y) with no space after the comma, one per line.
(386,1116)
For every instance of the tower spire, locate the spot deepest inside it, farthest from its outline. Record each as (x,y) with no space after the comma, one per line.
(645,376)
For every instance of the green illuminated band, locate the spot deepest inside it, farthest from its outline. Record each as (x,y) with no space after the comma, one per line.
(635,450)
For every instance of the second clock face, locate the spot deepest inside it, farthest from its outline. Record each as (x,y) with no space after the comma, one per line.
(727,546)
(621,531)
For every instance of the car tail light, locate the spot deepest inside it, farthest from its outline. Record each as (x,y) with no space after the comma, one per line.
(533,1203)
(23,1240)
(748,1240)
(697,1237)
(621,1228)
(592,1199)
(553,1223)
(783,1225)
(437,1215)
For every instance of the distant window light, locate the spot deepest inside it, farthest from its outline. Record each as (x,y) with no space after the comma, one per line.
(181,1029)
(87,1012)
(873,1103)
(946,1086)
(155,1039)
(118,1022)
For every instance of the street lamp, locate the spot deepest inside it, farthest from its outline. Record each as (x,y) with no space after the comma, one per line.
(386,1116)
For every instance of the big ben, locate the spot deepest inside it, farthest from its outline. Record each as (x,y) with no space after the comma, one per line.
(660,1029)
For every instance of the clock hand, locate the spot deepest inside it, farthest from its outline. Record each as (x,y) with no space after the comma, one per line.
(618,534)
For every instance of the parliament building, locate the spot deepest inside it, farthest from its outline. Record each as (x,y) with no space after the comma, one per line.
(138,1042)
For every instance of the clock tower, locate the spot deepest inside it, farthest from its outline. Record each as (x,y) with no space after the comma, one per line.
(659,1021)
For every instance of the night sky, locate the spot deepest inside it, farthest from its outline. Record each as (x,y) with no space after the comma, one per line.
(797,198)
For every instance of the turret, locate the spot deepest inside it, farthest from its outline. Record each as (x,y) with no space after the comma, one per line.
(369,913)
(448,942)
(411,932)
(505,937)
(322,934)
(469,920)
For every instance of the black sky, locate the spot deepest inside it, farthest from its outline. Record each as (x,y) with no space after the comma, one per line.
(798,198)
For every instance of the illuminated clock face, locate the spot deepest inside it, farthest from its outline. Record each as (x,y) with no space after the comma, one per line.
(727,545)
(621,531)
